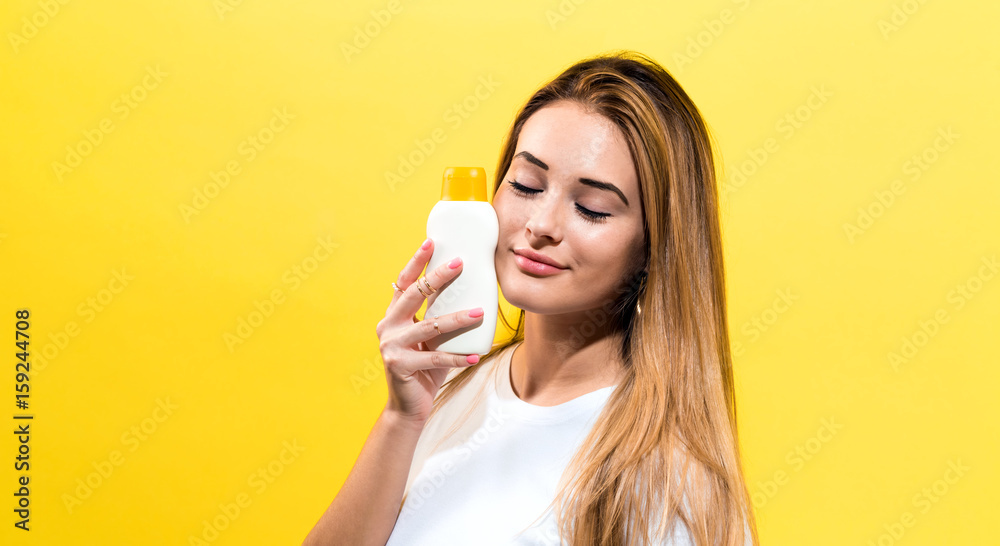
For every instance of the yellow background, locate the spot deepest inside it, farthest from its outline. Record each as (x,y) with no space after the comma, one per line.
(892,74)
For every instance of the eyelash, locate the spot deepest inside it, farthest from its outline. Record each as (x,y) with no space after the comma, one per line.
(588,215)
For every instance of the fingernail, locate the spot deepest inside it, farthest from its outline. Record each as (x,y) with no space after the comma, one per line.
(476,313)
(472,359)
(455,263)
(426,245)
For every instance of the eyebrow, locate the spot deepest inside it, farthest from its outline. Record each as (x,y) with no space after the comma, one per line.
(586,181)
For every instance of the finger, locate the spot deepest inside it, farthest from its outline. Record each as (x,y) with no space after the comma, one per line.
(435,360)
(413,268)
(416,292)
(434,326)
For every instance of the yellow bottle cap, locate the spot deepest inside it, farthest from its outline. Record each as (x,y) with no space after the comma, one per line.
(464,184)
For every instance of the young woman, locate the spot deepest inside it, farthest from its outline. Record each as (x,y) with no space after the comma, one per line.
(609,416)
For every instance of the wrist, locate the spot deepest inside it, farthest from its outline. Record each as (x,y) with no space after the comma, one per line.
(399,420)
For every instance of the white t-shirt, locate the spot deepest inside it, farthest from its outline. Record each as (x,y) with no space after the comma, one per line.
(489,482)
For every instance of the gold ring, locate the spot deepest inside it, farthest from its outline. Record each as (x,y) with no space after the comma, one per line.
(421,291)
(396,287)
(427,284)
(436,327)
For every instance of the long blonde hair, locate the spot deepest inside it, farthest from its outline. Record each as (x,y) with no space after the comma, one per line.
(665,446)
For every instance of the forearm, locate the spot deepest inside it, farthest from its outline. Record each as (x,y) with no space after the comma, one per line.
(365,509)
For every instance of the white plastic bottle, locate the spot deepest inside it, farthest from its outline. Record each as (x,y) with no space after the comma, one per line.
(463,224)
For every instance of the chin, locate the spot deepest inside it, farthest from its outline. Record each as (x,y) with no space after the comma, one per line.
(534,299)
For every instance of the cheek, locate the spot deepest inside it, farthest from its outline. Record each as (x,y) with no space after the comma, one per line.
(610,254)
(506,224)
(509,218)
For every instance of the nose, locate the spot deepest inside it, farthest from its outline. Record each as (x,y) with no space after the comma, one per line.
(545,218)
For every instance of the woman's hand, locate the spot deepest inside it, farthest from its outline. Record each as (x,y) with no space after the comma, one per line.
(414,373)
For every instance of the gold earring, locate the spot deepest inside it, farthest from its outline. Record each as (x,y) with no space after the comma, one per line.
(642,286)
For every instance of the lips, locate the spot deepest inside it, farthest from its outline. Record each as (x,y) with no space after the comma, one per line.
(537,264)
(536,257)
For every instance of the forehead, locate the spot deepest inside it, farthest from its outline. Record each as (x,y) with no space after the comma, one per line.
(575,143)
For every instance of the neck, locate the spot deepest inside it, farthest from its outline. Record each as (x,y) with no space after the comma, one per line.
(556,363)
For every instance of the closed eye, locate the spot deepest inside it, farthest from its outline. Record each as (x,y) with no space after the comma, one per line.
(522,189)
(587,214)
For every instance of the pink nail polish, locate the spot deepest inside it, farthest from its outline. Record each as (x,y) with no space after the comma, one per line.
(472,359)
(455,263)
(426,245)
(476,313)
